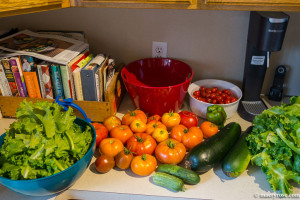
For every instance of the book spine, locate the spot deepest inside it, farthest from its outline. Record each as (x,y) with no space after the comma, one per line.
(10,77)
(4,86)
(47,81)
(88,85)
(78,86)
(71,82)
(97,86)
(42,86)
(32,85)
(19,64)
(15,70)
(18,60)
(65,81)
(57,82)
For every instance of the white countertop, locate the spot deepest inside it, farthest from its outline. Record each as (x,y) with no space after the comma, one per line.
(120,184)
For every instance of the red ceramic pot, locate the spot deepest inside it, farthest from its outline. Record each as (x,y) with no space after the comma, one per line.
(157,85)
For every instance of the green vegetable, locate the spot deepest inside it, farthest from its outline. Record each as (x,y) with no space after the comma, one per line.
(211,152)
(43,141)
(216,114)
(168,181)
(275,144)
(187,175)
(238,158)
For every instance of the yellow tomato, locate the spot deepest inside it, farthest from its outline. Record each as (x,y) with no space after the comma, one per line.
(160,134)
(170,119)
(138,126)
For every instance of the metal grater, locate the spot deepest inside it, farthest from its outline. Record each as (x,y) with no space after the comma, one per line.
(254,107)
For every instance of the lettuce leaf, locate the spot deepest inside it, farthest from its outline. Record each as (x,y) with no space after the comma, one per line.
(44,140)
(275,144)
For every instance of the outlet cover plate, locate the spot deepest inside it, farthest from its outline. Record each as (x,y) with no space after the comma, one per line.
(159,49)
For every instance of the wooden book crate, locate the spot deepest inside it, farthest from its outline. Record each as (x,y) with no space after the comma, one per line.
(96,111)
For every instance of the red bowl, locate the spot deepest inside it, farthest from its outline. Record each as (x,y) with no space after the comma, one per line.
(157,85)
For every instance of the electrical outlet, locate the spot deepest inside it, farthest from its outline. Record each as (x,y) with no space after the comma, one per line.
(159,49)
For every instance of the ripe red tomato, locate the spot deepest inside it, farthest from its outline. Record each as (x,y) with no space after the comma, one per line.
(188,119)
(141,143)
(101,132)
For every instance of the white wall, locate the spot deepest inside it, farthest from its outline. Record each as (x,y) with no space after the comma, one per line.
(212,42)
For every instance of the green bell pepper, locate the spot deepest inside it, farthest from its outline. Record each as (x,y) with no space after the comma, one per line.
(216,114)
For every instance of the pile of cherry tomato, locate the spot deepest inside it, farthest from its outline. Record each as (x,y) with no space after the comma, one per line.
(138,142)
(214,95)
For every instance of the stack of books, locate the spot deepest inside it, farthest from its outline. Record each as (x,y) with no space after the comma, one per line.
(43,65)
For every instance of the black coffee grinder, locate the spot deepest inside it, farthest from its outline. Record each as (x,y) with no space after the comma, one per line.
(265,35)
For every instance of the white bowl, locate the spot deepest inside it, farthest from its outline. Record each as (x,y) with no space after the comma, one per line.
(200,107)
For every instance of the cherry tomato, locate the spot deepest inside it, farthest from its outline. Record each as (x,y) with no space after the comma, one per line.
(111,146)
(209,129)
(233,99)
(123,133)
(208,90)
(214,89)
(143,165)
(137,126)
(141,143)
(226,91)
(160,134)
(124,158)
(170,151)
(132,115)
(170,119)
(111,122)
(197,93)
(227,101)
(104,163)
(101,132)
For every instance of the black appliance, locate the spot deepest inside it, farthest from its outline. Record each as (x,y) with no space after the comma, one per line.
(265,35)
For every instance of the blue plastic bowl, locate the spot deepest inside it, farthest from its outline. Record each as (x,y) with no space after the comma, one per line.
(57,182)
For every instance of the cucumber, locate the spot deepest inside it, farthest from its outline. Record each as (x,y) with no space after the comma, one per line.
(211,152)
(238,158)
(188,176)
(168,181)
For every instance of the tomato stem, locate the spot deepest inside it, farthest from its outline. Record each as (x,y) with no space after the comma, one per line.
(133,113)
(171,113)
(144,157)
(185,131)
(139,139)
(128,151)
(170,144)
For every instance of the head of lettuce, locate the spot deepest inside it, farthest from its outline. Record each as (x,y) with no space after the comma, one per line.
(275,144)
(44,140)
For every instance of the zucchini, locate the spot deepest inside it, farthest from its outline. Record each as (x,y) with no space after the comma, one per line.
(211,152)
(168,181)
(188,176)
(238,158)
